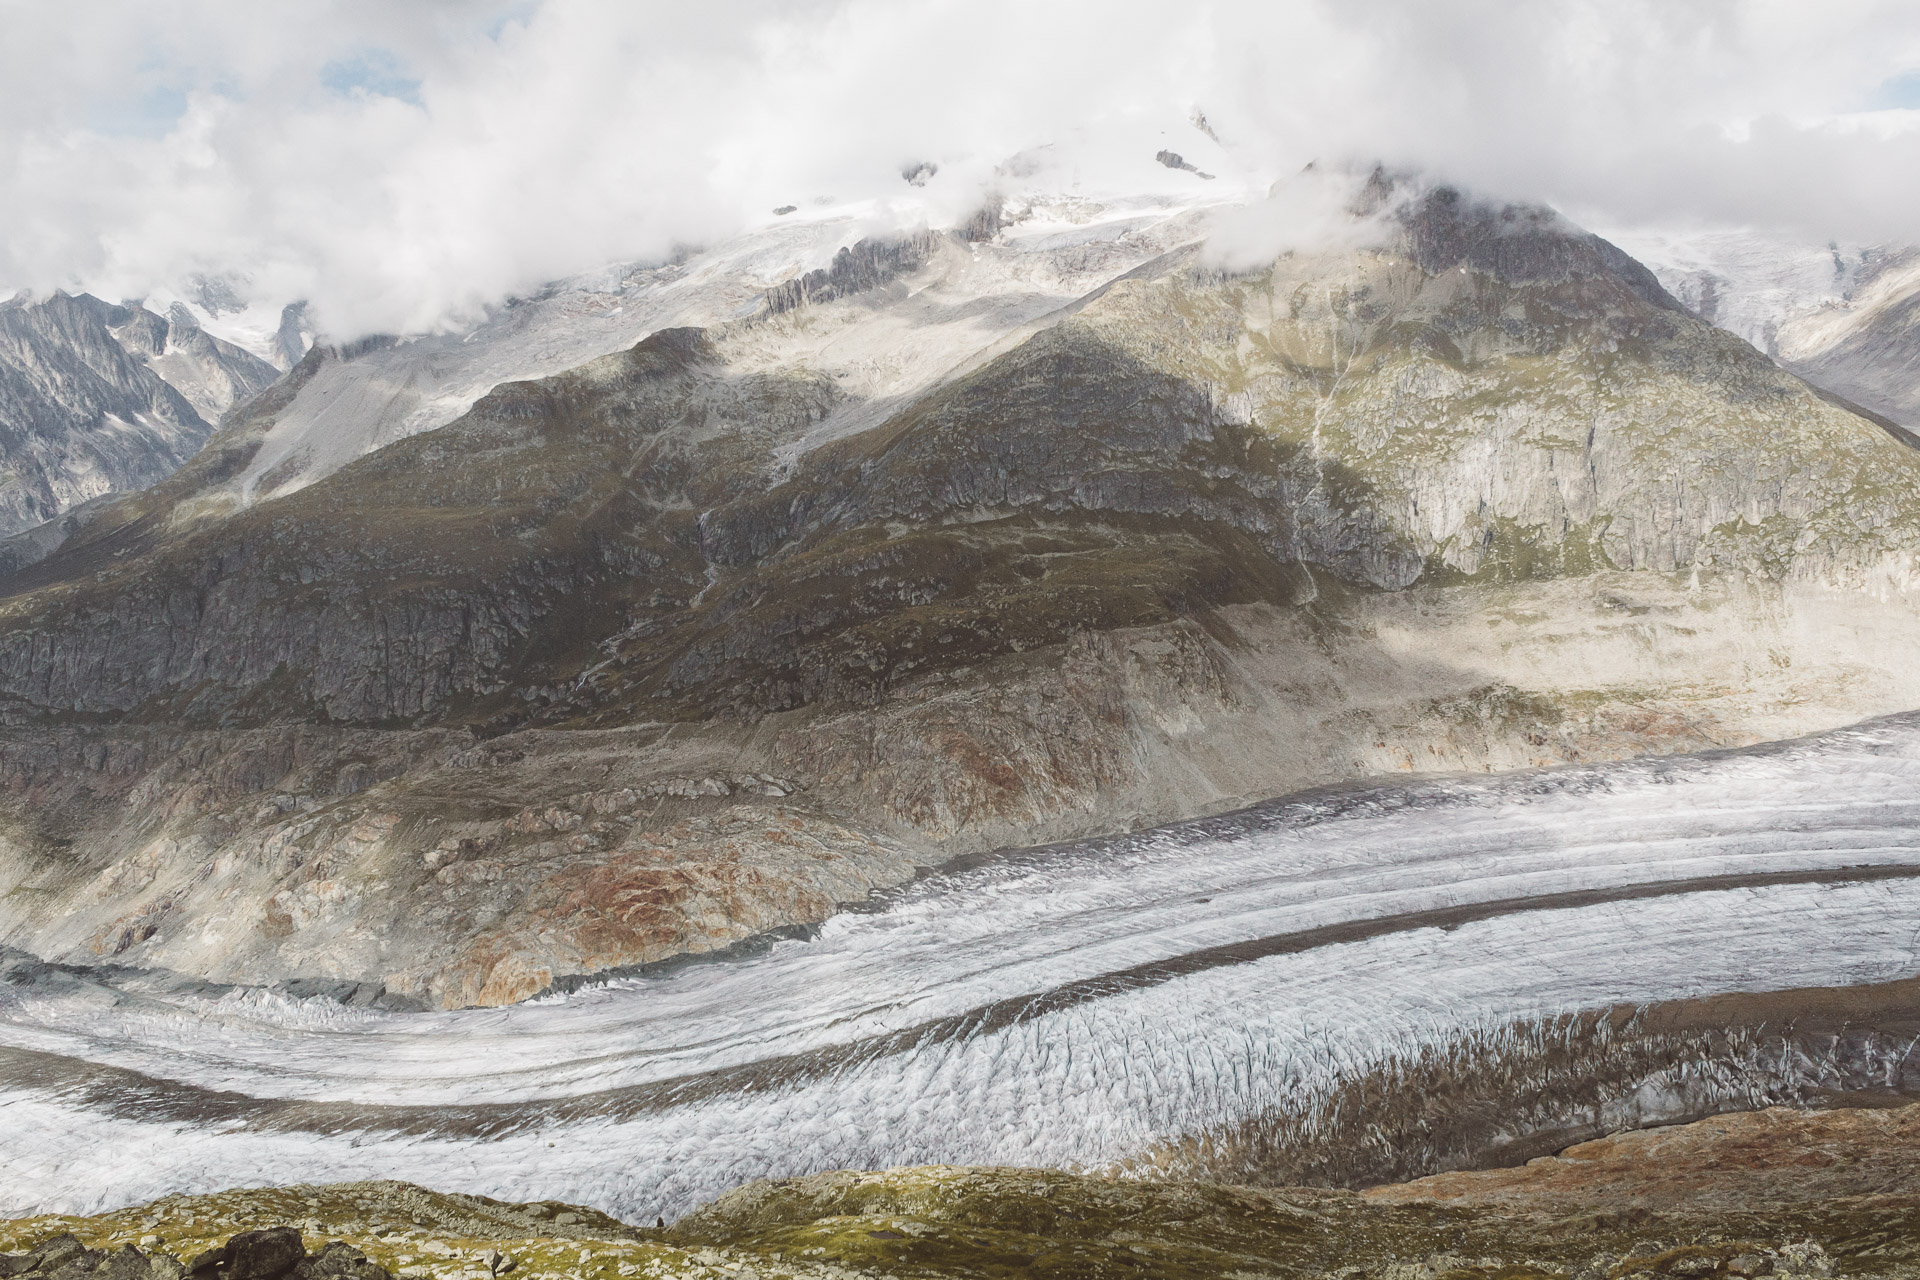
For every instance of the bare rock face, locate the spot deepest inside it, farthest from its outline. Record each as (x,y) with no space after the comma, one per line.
(213,374)
(857,268)
(400,868)
(98,399)
(707,636)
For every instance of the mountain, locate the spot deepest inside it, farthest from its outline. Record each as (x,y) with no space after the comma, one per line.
(98,399)
(381,390)
(1047,527)
(1846,318)
(1868,347)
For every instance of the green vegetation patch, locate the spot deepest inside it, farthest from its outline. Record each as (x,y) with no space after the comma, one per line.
(996,1222)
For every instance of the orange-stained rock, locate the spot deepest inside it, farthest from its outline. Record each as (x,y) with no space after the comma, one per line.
(696,886)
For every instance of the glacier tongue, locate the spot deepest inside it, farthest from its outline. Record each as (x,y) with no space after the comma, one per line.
(1078,1005)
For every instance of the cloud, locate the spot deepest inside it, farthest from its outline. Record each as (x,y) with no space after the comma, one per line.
(1320,209)
(404,165)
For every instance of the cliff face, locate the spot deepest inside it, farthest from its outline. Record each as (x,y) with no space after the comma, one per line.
(935,561)
(98,399)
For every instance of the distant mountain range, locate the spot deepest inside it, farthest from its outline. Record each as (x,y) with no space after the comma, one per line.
(455,665)
(1844,317)
(98,399)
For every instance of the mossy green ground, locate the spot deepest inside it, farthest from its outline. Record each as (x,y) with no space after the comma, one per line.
(937,1221)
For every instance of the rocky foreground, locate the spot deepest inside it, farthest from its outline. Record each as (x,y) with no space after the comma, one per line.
(1771,1193)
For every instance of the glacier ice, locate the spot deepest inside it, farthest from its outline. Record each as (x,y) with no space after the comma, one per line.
(1072,1005)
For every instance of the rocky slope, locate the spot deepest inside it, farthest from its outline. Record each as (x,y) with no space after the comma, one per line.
(1038,530)
(98,399)
(1842,1202)
(1868,348)
(1843,317)
(269,1254)
(1777,1193)
(1749,282)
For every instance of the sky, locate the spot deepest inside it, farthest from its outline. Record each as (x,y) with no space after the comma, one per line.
(404,164)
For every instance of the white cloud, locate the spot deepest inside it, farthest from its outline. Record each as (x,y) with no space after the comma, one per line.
(403,164)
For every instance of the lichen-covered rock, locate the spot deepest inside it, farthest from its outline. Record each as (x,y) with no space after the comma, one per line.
(250,1255)
(344,1231)
(338,1261)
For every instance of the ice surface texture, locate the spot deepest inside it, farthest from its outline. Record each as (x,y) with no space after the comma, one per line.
(1075,1005)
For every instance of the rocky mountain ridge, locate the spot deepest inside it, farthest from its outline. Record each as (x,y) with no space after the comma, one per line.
(1052,532)
(98,399)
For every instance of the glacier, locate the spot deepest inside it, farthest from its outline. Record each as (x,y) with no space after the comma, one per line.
(1079,1005)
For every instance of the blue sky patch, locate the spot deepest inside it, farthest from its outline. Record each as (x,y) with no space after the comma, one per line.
(375,71)
(149,114)
(518,11)
(1901,92)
